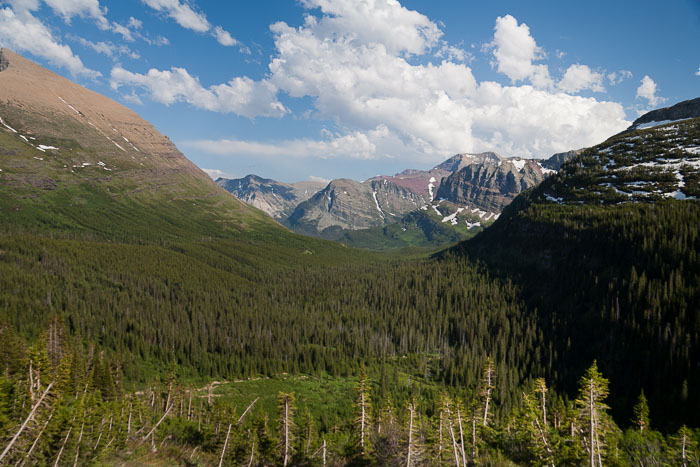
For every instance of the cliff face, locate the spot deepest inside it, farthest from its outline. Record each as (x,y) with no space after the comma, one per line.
(491,187)
(352,205)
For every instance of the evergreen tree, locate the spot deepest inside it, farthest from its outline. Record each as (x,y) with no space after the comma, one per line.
(641,413)
(593,418)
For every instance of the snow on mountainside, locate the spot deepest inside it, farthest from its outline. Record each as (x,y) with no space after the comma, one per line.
(644,165)
(467,190)
(681,111)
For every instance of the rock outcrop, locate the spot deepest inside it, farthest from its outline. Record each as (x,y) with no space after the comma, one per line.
(277,199)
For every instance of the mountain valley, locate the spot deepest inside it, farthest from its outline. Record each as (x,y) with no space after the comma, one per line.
(150,317)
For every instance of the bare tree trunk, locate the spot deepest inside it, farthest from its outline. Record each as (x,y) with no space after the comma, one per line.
(36,440)
(99,437)
(592,424)
(240,419)
(683,454)
(159,422)
(489,376)
(58,458)
(77,449)
(189,405)
(454,444)
(223,451)
(473,438)
(26,422)
(461,436)
(286,431)
(128,423)
(440,437)
(252,453)
(410,435)
(362,421)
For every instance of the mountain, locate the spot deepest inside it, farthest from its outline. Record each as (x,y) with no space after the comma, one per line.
(491,185)
(74,160)
(682,110)
(466,190)
(277,199)
(605,252)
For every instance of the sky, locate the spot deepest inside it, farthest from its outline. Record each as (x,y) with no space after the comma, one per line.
(321,89)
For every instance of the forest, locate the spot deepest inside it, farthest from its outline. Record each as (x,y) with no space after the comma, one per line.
(64,404)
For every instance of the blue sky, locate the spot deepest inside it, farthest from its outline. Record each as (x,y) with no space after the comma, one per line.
(297,90)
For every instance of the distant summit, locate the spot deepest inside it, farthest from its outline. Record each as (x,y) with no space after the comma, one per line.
(681,111)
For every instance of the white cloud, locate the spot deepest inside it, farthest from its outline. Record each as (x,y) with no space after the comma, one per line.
(616,77)
(216,173)
(242,96)
(647,90)
(134,23)
(182,13)
(386,22)
(361,77)
(106,48)
(580,77)
(515,50)
(314,178)
(188,18)
(223,37)
(25,33)
(697,73)
(356,144)
(82,8)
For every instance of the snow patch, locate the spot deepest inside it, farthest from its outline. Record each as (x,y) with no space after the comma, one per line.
(24,138)
(7,126)
(545,170)
(41,147)
(518,163)
(553,199)
(72,108)
(644,126)
(376,203)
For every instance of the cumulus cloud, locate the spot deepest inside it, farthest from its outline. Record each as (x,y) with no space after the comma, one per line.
(697,73)
(580,77)
(400,30)
(359,72)
(515,51)
(647,90)
(242,96)
(25,33)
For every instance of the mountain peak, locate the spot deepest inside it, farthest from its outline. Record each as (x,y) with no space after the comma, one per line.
(458,161)
(680,111)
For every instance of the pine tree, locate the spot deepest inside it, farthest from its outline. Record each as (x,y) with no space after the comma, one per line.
(593,417)
(641,413)
(685,448)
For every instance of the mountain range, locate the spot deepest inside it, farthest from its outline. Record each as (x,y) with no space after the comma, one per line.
(127,276)
(465,192)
